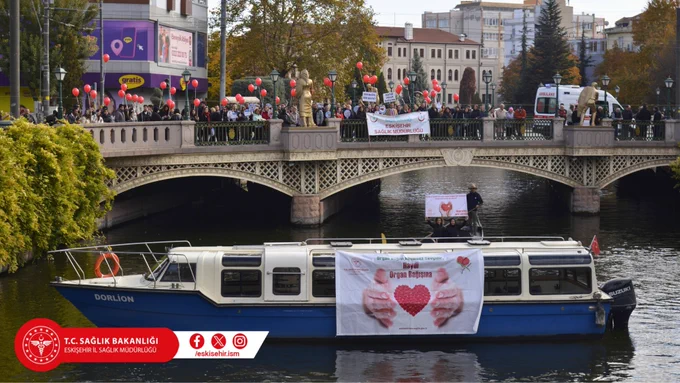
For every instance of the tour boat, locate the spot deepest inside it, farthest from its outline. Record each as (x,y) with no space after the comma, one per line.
(534,287)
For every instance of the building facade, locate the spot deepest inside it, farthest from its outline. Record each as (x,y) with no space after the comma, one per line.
(444,56)
(621,35)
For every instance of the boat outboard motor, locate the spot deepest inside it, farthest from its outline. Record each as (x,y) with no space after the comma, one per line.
(623,293)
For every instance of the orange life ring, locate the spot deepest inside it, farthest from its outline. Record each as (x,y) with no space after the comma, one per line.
(98,264)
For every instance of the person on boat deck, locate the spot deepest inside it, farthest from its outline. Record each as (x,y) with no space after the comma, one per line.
(438,230)
(451,231)
(474,201)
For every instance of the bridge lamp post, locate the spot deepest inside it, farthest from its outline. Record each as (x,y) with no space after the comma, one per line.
(333,76)
(412,77)
(443,85)
(493,96)
(669,85)
(186,75)
(557,79)
(391,85)
(274,76)
(487,80)
(354,92)
(60,73)
(605,83)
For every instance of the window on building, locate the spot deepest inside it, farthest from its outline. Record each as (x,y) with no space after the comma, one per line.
(443,23)
(439,74)
(564,280)
(450,99)
(455,75)
(415,52)
(422,53)
(502,281)
(439,53)
(431,23)
(603,45)
(450,53)
(389,73)
(286,280)
(467,54)
(432,53)
(323,283)
(180,272)
(450,75)
(241,283)
(389,51)
(455,54)
(399,73)
(620,42)
(432,74)
(474,55)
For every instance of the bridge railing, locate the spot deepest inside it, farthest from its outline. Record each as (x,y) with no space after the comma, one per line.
(140,137)
(231,133)
(357,131)
(525,129)
(454,130)
(632,130)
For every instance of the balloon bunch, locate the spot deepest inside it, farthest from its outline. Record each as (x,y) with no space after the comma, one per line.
(128,97)
(239,99)
(293,84)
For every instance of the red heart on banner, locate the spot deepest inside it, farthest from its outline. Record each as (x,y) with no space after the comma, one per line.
(447,206)
(412,300)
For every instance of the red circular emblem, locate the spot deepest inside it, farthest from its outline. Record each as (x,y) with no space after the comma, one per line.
(240,341)
(196,341)
(219,341)
(37,345)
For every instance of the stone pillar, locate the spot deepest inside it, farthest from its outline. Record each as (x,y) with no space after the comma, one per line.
(305,210)
(275,126)
(188,134)
(558,129)
(585,200)
(487,129)
(672,131)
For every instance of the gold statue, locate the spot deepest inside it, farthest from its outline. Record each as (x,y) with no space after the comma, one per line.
(586,101)
(304,91)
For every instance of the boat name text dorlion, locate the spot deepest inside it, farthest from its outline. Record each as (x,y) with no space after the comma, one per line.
(619,291)
(114,298)
(95,341)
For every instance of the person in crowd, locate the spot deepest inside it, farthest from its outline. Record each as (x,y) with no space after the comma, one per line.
(509,124)
(562,112)
(617,117)
(499,114)
(319,115)
(119,115)
(599,116)
(575,118)
(644,117)
(658,123)
(438,230)
(156,116)
(520,116)
(474,202)
(570,112)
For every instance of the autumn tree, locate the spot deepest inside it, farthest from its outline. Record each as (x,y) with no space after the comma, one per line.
(468,86)
(69,46)
(584,61)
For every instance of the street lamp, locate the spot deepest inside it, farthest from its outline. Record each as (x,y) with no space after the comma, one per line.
(487,80)
(186,75)
(443,85)
(333,76)
(669,85)
(60,73)
(493,95)
(391,85)
(605,83)
(412,77)
(274,76)
(557,79)
(354,96)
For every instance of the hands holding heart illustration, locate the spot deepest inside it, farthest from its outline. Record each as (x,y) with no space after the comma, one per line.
(444,297)
(445,209)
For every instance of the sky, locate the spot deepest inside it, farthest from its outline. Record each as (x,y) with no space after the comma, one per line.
(398,12)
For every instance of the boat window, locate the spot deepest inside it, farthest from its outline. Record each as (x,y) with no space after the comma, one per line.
(323,261)
(506,260)
(574,280)
(286,281)
(323,283)
(242,261)
(559,259)
(241,283)
(157,272)
(502,282)
(180,272)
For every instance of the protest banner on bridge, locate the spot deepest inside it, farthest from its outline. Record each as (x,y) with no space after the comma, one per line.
(409,123)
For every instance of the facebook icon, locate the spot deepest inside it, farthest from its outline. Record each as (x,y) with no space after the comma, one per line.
(196,341)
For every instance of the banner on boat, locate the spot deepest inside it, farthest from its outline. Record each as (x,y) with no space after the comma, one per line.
(446,205)
(409,123)
(408,294)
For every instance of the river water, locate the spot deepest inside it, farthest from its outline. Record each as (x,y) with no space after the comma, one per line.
(638,230)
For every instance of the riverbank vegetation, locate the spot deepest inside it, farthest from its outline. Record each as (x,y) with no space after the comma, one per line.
(52,189)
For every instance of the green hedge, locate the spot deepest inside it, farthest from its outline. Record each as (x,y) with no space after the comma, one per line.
(52,189)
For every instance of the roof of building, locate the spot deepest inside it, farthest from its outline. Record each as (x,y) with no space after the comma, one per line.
(489,4)
(625,20)
(424,35)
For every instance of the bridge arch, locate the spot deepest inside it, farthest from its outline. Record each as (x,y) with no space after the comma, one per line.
(633,169)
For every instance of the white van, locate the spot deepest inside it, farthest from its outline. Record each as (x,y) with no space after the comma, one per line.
(546,103)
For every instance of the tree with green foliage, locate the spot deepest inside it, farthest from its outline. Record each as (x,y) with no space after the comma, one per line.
(422,81)
(69,46)
(53,188)
(382,85)
(468,86)
(584,60)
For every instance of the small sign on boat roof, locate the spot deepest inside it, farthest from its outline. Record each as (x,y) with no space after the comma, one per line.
(341,244)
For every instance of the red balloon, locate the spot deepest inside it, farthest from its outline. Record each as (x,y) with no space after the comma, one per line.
(374,79)
(293,83)
(241,101)
(93,93)
(293,92)
(141,99)
(366,79)
(173,90)
(406,81)
(106,58)
(128,97)
(263,92)
(456,97)
(438,88)
(399,89)
(258,81)
(278,100)
(360,65)
(164,85)
(433,95)
(425,93)
(135,98)
(121,93)
(327,81)
(427,100)
(87,88)
(197,102)
(107,101)
(238,95)
(171,104)
(251,88)
(75,92)
(194,83)
(434,81)
(123,86)
(223,102)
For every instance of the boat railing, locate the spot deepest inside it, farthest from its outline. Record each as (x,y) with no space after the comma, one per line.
(142,249)
(406,241)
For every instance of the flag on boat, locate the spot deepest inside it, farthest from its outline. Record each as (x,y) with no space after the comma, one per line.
(595,246)
(409,294)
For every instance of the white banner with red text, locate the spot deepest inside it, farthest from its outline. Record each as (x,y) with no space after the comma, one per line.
(403,124)
(408,294)
(446,205)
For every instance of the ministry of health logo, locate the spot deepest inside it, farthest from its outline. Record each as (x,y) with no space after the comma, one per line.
(41,345)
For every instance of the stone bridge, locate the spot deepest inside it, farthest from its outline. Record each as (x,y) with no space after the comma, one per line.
(313,165)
